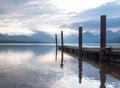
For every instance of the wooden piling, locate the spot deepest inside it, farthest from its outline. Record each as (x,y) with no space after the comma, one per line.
(103,32)
(103,55)
(62,40)
(80,40)
(56,41)
(62,48)
(80,54)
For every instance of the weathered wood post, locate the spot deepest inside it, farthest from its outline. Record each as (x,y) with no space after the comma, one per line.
(62,42)
(80,40)
(80,54)
(56,46)
(103,38)
(103,32)
(62,48)
(56,41)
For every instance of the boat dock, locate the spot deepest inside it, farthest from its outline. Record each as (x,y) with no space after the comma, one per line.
(102,52)
(112,53)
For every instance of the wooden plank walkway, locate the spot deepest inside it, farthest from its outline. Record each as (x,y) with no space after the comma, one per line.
(103,53)
(92,49)
(113,53)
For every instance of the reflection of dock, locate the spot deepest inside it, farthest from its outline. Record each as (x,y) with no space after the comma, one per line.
(109,68)
(93,54)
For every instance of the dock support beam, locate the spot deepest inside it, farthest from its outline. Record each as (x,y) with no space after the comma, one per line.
(103,32)
(103,38)
(56,46)
(56,42)
(80,40)
(62,48)
(62,40)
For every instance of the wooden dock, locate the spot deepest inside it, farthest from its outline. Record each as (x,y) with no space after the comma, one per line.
(102,52)
(74,49)
(112,53)
(101,57)
(92,57)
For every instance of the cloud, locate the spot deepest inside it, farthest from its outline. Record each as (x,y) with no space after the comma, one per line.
(110,9)
(90,19)
(23,14)
(78,5)
(27,16)
(94,25)
(27,8)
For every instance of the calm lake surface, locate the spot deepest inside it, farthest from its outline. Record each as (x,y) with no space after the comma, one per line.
(40,66)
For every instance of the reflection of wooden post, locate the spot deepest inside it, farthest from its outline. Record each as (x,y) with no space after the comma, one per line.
(103,32)
(56,55)
(61,59)
(80,68)
(103,38)
(103,71)
(80,40)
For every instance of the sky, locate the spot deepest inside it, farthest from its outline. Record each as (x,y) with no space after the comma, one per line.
(25,17)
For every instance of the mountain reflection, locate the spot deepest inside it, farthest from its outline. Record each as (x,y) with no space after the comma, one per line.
(15,57)
(37,49)
(27,66)
(39,66)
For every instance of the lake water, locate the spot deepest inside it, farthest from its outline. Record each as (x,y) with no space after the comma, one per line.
(40,66)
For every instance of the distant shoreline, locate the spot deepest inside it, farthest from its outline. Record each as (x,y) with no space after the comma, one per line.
(27,44)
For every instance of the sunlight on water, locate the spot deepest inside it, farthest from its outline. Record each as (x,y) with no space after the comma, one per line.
(15,57)
(40,66)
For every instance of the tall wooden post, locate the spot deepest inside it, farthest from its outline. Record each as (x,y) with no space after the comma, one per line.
(103,55)
(80,54)
(62,40)
(56,40)
(80,40)
(56,46)
(103,32)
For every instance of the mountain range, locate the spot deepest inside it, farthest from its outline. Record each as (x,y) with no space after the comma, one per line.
(38,37)
(111,37)
(42,37)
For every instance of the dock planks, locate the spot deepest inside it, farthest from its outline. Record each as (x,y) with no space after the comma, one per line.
(113,53)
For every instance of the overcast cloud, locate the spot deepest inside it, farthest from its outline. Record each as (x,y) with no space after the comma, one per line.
(52,16)
(90,19)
